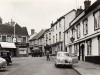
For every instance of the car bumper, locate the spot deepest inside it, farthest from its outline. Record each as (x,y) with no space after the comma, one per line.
(62,63)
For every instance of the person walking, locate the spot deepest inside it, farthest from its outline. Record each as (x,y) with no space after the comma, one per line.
(48,56)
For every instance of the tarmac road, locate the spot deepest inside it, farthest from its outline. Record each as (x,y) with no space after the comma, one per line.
(35,66)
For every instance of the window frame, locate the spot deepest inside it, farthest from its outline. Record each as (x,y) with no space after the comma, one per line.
(89,47)
(98,26)
(60,36)
(56,38)
(4,40)
(85,27)
(78,31)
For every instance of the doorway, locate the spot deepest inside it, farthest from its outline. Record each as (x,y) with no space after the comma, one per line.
(81,53)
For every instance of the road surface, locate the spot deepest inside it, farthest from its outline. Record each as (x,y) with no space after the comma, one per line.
(35,66)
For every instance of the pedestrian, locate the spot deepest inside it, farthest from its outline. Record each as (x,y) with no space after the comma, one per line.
(48,56)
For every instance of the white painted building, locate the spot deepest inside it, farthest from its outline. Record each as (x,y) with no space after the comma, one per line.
(83,35)
(54,37)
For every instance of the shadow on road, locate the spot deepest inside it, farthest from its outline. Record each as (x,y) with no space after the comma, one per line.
(3,70)
(65,67)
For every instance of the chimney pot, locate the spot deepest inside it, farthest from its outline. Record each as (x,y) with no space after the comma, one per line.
(32,31)
(87,4)
(79,10)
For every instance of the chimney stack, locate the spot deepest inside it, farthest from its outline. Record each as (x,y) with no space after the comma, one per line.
(98,0)
(87,4)
(79,10)
(32,31)
(52,24)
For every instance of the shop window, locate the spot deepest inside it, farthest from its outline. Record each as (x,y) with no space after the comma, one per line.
(99,44)
(70,50)
(24,39)
(75,49)
(89,47)
(3,38)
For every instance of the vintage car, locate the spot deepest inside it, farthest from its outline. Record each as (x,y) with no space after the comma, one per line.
(3,63)
(6,56)
(63,58)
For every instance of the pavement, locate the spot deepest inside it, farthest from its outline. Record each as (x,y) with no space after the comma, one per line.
(87,68)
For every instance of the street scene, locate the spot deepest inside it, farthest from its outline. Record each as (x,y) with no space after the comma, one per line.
(49,37)
(35,66)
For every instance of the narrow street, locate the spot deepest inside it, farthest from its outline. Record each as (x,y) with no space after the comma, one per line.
(35,66)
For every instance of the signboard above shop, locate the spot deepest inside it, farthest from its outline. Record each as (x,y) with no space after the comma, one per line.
(19,44)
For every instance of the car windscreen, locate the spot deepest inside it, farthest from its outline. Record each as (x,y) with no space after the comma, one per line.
(62,54)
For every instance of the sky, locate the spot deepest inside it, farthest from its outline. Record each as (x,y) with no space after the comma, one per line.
(36,14)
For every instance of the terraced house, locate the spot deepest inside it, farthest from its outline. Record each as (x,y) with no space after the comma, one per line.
(83,34)
(37,42)
(54,37)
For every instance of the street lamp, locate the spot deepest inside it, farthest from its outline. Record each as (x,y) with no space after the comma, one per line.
(14,39)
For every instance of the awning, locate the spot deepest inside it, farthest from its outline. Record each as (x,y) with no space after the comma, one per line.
(7,45)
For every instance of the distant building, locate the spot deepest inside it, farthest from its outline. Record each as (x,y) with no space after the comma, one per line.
(37,42)
(47,40)
(54,37)
(21,35)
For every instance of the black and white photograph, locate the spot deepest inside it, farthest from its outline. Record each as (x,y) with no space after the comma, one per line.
(49,37)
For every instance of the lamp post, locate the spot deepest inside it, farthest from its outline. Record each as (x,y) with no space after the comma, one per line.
(14,38)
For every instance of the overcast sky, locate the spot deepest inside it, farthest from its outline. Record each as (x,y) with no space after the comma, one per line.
(36,14)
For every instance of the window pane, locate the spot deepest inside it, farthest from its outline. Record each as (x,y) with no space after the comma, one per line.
(97,20)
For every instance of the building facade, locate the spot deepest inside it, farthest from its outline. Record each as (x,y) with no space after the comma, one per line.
(83,34)
(21,35)
(37,42)
(54,37)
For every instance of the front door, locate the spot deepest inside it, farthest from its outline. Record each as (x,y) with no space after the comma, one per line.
(82,52)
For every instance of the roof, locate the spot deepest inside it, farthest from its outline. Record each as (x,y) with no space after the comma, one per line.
(9,29)
(39,35)
(31,36)
(92,7)
(62,17)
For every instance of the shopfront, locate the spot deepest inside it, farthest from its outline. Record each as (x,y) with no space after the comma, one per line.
(11,47)
(22,49)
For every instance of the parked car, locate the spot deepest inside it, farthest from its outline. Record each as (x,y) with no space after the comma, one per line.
(3,62)
(63,58)
(37,53)
(6,55)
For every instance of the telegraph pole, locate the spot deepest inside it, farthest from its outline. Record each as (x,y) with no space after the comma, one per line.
(13,23)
